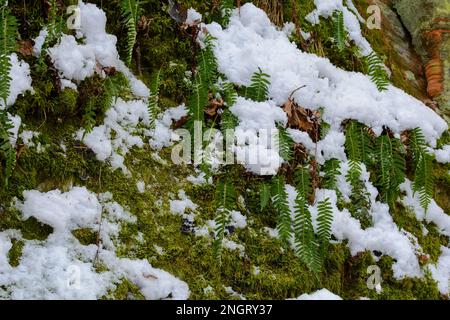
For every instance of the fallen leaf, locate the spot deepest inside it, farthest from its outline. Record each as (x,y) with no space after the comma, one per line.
(25,48)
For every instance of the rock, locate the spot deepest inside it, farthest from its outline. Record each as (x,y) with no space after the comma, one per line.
(428,22)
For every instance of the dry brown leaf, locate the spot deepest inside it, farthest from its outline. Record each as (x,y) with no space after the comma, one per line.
(25,48)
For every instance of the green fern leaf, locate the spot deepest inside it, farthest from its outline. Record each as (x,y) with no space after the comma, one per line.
(7,150)
(284,143)
(280,203)
(424,180)
(331,170)
(264,195)
(417,145)
(385,162)
(303,181)
(130,11)
(339,33)
(377,71)
(259,87)
(8,30)
(153,99)
(230,94)
(324,221)
(306,247)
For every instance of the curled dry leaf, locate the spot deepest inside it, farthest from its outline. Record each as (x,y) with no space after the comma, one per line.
(25,47)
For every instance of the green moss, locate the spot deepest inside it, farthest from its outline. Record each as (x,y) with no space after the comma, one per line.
(125,290)
(30,228)
(15,253)
(86,236)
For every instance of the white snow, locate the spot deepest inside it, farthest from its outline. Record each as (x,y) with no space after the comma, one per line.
(39,42)
(255,145)
(322,294)
(443,155)
(325,8)
(27,137)
(200,179)
(76,61)
(119,133)
(434,213)
(180,206)
(251,41)
(238,220)
(60,267)
(441,271)
(20,80)
(193,17)
(14,131)
(163,135)
(140,185)
(233,293)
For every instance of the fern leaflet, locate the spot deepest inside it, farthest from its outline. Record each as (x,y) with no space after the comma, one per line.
(377,71)
(259,87)
(264,195)
(284,143)
(280,202)
(339,34)
(8,30)
(130,11)
(7,150)
(324,221)
(331,170)
(153,99)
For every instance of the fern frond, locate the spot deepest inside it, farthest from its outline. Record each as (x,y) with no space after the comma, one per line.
(197,102)
(422,166)
(280,203)
(417,145)
(367,147)
(229,93)
(130,11)
(154,99)
(385,162)
(207,63)
(331,170)
(339,33)
(225,201)
(302,179)
(353,174)
(8,30)
(424,180)
(324,221)
(377,71)
(264,195)
(204,79)
(353,141)
(392,167)
(259,87)
(7,150)
(398,172)
(303,227)
(229,120)
(284,143)
(89,116)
